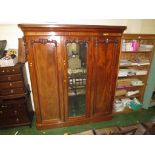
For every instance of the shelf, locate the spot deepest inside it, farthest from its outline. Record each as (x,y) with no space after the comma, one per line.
(136,52)
(123,96)
(134,65)
(128,87)
(131,76)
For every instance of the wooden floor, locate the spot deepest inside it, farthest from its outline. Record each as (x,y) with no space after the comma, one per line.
(147,128)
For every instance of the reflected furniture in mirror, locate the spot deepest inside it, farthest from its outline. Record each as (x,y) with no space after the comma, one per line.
(73,71)
(76,57)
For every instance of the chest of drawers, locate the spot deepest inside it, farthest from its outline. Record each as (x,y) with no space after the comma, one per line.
(15,103)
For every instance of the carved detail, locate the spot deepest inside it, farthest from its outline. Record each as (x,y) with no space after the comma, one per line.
(43,41)
(75,41)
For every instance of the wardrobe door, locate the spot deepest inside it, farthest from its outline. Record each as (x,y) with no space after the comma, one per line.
(46,79)
(106,58)
(77,72)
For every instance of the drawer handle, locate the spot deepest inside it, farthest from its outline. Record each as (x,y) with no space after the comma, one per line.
(9,78)
(10,84)
(30,64)
(12,91)
(3,71)
(13,70)
(17,119)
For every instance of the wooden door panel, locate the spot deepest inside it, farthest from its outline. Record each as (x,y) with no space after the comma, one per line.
(46,69)
(106,68)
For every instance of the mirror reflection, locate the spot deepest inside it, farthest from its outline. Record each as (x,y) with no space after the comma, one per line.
(77,59)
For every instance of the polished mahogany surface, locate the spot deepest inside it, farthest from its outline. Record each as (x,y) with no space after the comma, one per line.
(15,103)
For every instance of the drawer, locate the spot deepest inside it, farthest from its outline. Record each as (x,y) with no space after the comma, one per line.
(6,78)
(13,117)
(12,91)
(16,103)
(10,70)
(6,107)
(13,113)
(17,84)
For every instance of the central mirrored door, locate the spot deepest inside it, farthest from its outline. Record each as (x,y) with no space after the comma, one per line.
(77,70)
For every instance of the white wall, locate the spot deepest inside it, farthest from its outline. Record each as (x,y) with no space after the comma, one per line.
(148,26)
(11,32)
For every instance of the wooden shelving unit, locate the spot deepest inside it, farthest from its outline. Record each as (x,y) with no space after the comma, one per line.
(136,57)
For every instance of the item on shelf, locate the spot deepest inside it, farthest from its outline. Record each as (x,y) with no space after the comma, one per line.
(123,86)
(135,45)
(122,82)
(135,104)
(2,53)
(131,72)
(136,101)
(12,52)
(141,72)
(126,72)
(136,82)
(124,62)
(118,106)
(3,44)
(10,58)
(120,92)
(125,83)
(134,62)
(6,62)
(130,93)
(128,47)
(126,101)
(122,73)
(123,45)
(139,61)
(144,47)
(2,47)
